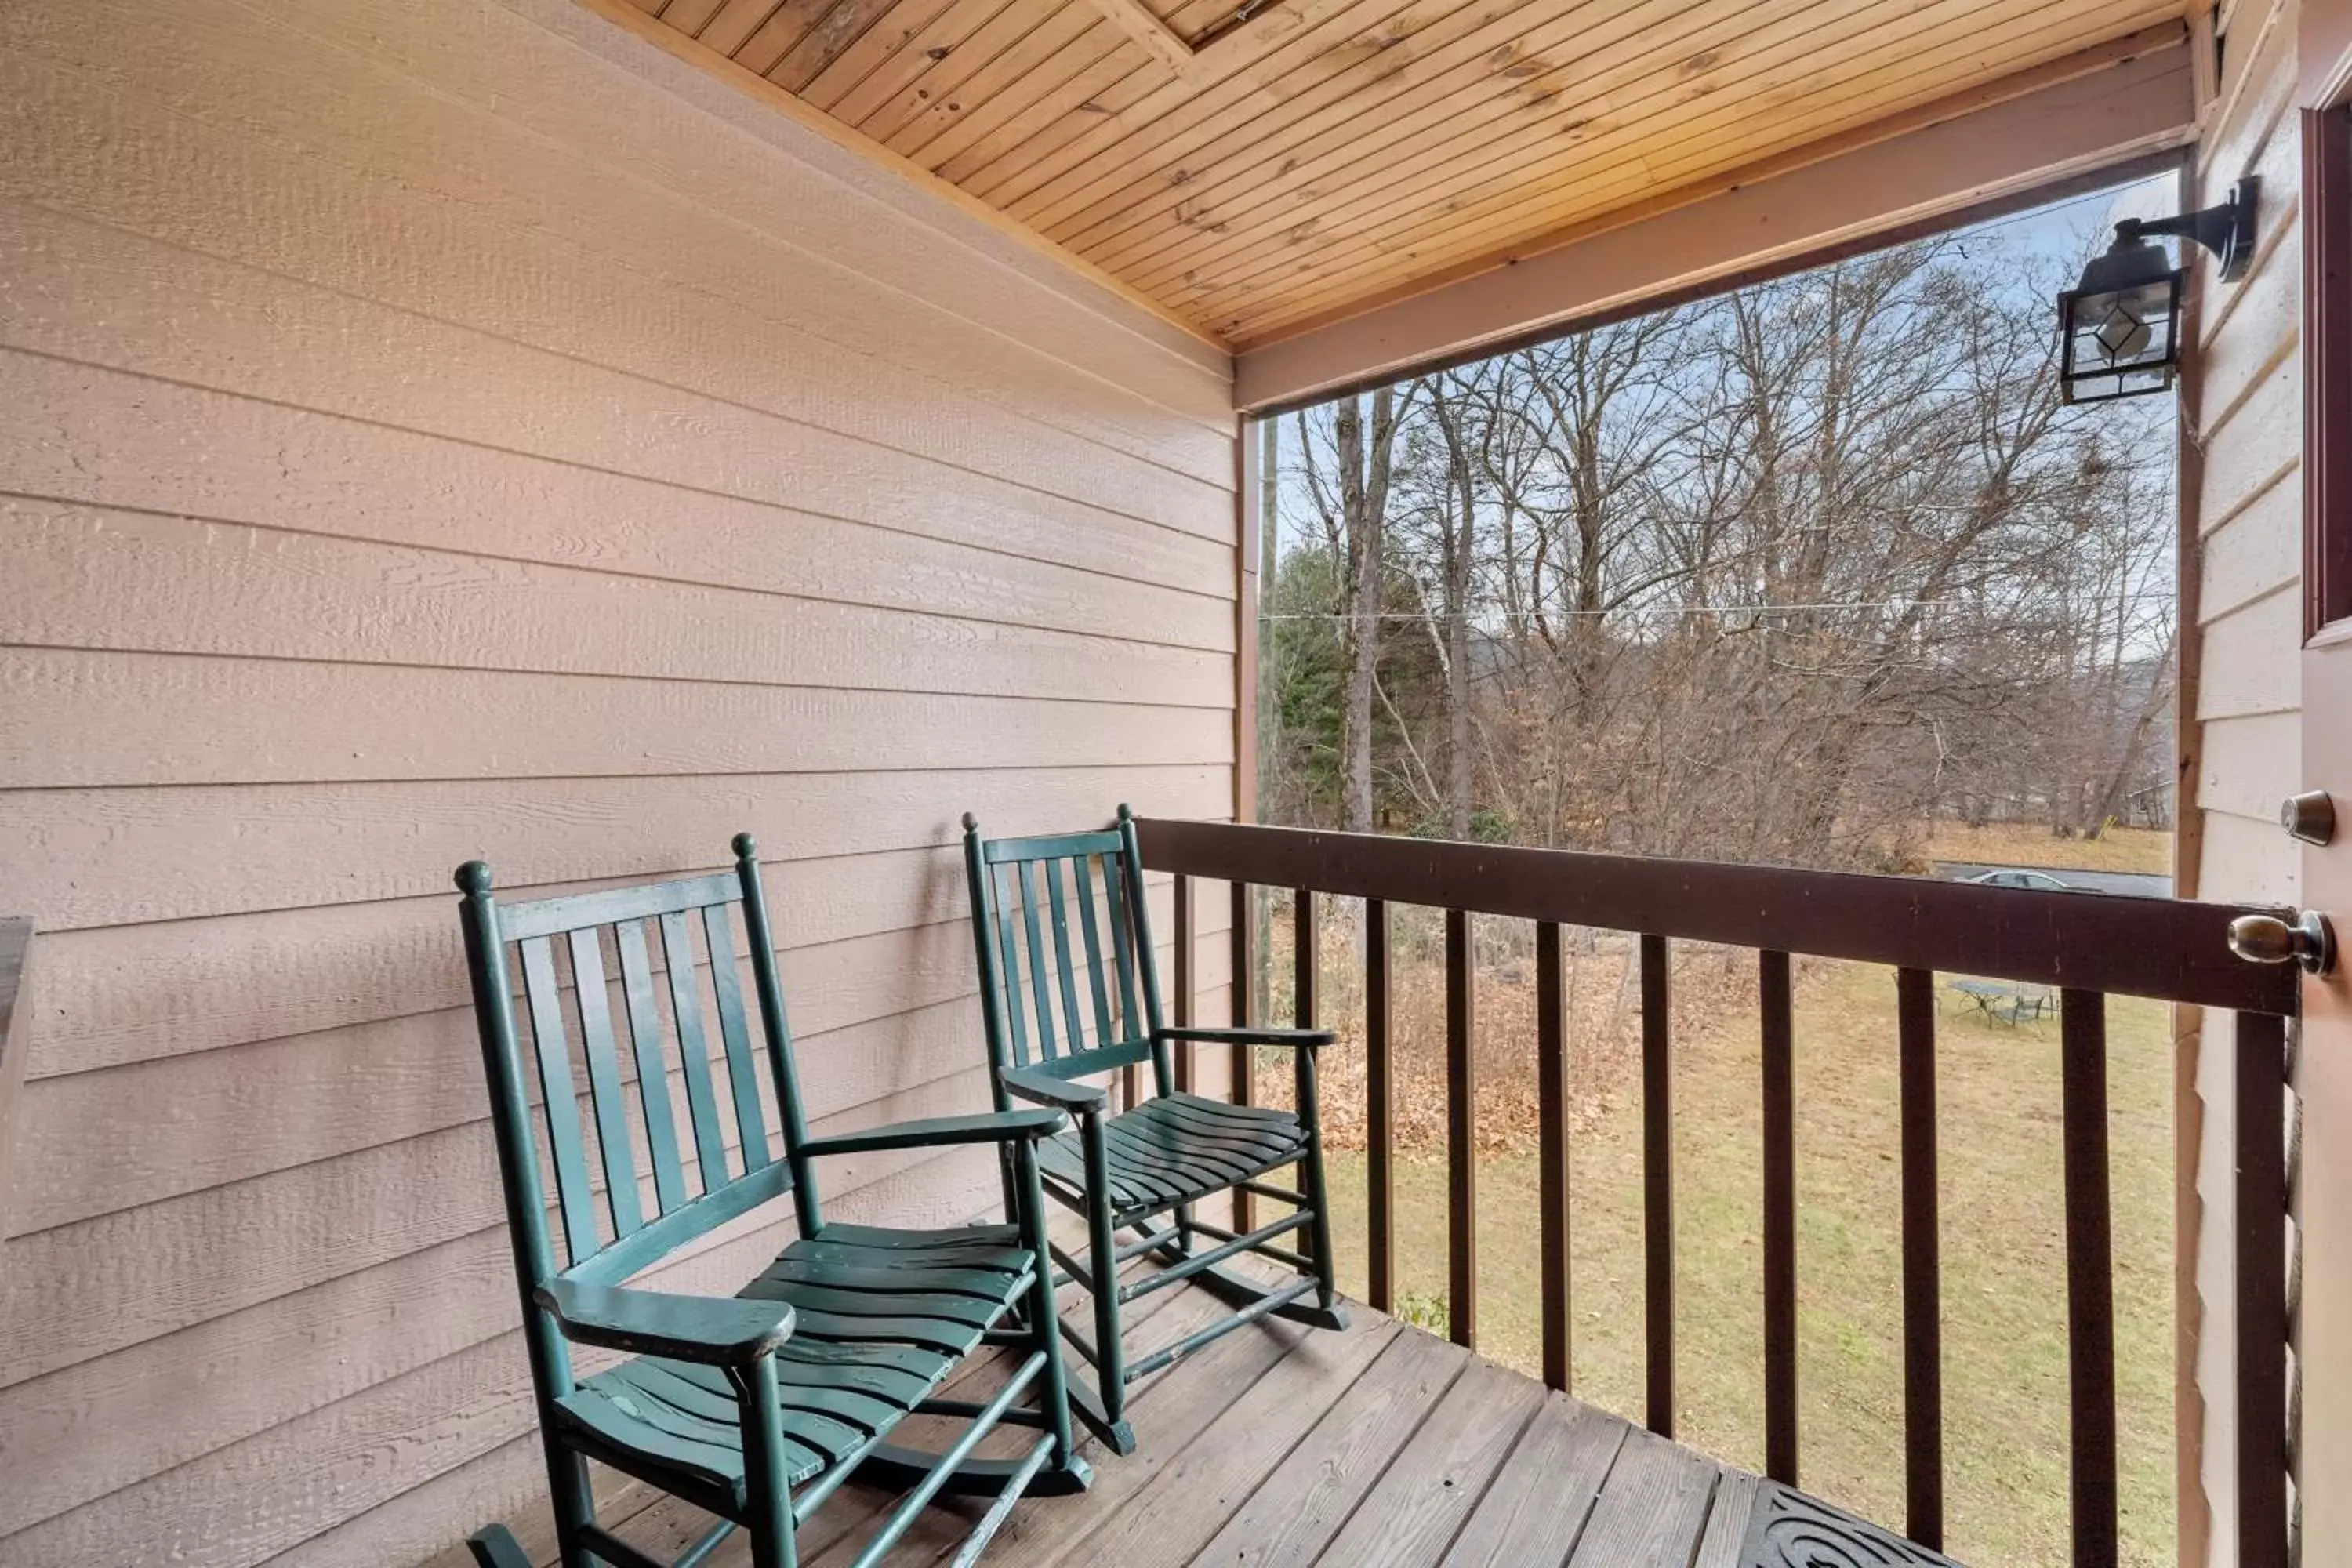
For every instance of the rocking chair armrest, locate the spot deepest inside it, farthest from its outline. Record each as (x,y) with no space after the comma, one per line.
(1297,1039)
(997,1127)
(1044,1089)
(712,1330)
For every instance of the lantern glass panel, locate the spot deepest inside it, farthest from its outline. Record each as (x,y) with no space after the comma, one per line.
(2122,342)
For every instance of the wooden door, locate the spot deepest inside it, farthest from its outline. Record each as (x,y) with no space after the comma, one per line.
(2323,1057)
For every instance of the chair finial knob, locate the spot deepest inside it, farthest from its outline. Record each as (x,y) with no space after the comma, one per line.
(474,877)
(971,822)
(746,846)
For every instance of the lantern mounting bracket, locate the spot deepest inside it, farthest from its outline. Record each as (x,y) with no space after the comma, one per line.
(2226,229)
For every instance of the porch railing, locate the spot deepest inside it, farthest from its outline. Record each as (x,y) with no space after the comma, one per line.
(2087,947)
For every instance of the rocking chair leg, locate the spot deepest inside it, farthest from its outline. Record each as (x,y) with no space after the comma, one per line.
(1318,1230)
(494,1546)
(575,1504)
(1179,1249)
(1046,1322)
(764,1488)
(1102,1243)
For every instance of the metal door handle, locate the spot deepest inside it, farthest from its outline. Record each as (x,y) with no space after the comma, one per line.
(2307,940)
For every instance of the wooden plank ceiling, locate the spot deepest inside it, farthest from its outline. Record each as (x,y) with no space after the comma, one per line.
(1260,170)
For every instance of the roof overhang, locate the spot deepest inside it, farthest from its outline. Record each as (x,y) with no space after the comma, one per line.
(2104,114)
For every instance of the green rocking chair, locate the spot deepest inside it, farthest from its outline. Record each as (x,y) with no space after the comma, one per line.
(757,1407)
(1154,1161)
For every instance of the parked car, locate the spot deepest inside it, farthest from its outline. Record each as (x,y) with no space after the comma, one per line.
(2043,880)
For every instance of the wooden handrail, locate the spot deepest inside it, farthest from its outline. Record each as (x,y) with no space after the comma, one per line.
(2171,950)
(2084,946)
(16,1039)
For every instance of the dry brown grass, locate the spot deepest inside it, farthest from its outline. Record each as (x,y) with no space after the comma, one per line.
(2025,844)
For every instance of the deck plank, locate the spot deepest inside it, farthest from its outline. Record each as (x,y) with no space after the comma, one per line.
(1652,1508)
(1287,1522)
(1727,1520)
(1425,1495)
(1181,1404)
(1533,1514)
(1189,1500)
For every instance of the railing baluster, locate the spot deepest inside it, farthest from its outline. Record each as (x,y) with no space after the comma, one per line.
(1461,1136)
(1552,1117)
(1923,1305)
(1380,1114)
(1658,1181)
(1304,956)
(1183,980)
(1779,1217)
(2090,1277)
(2260,1258)
(1245,999)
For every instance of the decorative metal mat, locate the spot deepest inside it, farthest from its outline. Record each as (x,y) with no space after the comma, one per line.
(1789,1529)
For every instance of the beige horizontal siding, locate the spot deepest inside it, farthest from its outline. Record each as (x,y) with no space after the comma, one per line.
(432,428)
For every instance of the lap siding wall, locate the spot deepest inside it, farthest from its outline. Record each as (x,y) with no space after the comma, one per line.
(432,428)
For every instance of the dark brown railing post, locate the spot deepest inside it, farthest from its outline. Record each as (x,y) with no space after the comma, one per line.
(1379,1114)
(1303,977)
(1780,1092)
(1461,1135)
(1658,1180)
(1552,1117)
(1244,995)
(2090,1274)
(1923,1304)
(2260,1258)
(1183,980)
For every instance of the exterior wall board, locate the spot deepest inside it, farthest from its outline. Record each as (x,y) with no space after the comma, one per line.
(453,427)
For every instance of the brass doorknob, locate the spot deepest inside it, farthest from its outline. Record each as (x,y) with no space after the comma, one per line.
(2307,940)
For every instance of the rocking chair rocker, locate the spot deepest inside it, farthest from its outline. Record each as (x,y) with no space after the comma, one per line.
(755,1408)
(1160,1157)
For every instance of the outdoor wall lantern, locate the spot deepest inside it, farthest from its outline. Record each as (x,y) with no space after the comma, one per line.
(2119,326)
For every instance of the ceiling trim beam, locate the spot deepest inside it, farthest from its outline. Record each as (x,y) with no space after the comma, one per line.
(1142,23)
(2008,143)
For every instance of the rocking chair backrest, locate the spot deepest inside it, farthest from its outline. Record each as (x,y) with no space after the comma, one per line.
(1074,1003)
(561,947)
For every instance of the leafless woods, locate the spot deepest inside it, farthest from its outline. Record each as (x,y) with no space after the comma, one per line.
(1776,576)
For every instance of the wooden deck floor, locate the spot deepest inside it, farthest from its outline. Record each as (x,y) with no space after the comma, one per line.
(1276,1447)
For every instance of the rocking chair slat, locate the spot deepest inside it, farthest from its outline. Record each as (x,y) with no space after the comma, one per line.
(560,1101)
(693,1051)
(1074,1027)
(1116,893)
(652,1073)
(1009,970)
(602,1058)
(727,989)
(1039,987)
(1105,1032)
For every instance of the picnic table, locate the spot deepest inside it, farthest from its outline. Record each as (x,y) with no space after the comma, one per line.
(2003,1001)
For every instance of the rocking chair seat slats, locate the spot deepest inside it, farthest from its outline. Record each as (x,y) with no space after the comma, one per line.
(880,1317)
(1177,1149)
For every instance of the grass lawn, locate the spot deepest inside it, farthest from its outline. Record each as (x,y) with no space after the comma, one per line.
(2003,1261)
(2025,844)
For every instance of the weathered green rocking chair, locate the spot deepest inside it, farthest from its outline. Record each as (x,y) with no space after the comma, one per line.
(1155,1160)
(755,1408)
